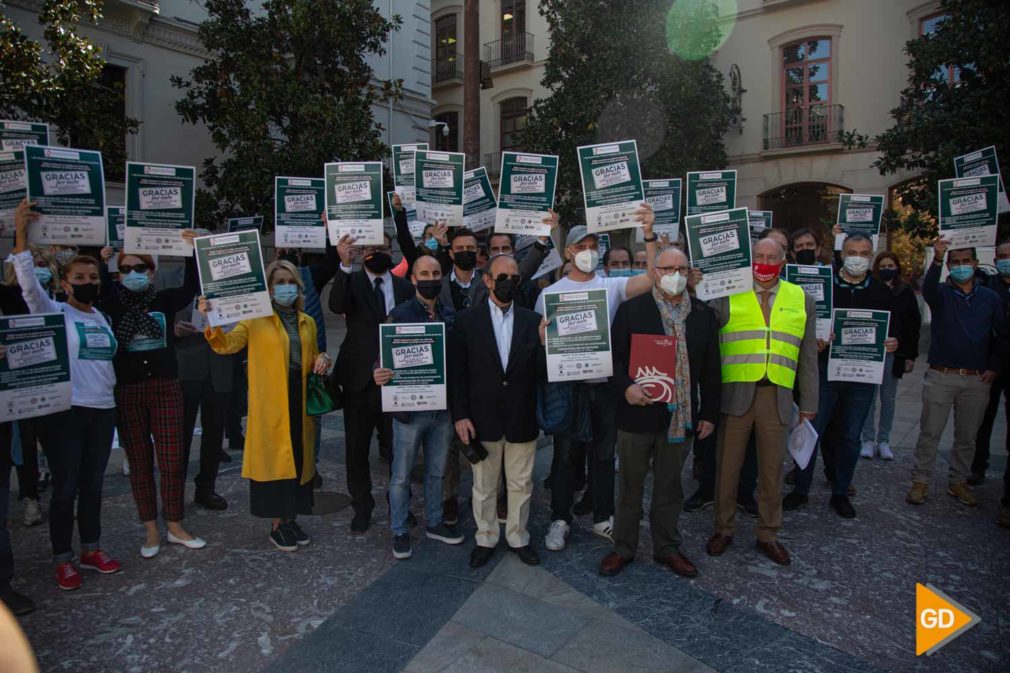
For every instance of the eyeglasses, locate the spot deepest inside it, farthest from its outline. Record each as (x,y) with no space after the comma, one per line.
(139,268)
(504,278)
(667,270)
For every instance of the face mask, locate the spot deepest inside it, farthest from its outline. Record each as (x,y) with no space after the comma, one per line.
(764,273)
(586,261)
(136,282)
(505,290)
(887,275)
(44,275)
(637,272)
(856,265)
(962,272)
(465,260)
(806,257)
(285,295)
(673,284)
(1003,267)
(619,273)
(86,293)
(431,244)
(429,289)
(378,263)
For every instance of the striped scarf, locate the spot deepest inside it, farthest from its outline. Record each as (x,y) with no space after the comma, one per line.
(674,324)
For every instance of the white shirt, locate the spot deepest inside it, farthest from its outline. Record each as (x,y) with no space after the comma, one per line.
(455,279)
(92,381)
(387,285)
(502,323)
(615,287)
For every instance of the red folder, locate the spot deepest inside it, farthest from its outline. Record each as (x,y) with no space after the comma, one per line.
(652,364)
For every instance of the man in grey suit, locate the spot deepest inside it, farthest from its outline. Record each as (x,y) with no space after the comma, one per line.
(768,347)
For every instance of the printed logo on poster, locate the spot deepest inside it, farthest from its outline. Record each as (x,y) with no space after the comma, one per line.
(857,336)
(859,214)
(160,198)
(12,181)
(578,322)
(353,192)
(529,183)
(59,183)
(31,352)
(969,203)
(299,203)
(723,241)
(407,165)
(709,195)
(611,174)
(660,202)
(815,290)
(437,178)
(472,192)
(229,266)
(416,355)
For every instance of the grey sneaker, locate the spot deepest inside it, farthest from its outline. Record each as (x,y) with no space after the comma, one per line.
(444,533)
(401,547)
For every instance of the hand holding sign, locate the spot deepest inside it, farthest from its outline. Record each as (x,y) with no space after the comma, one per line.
(382,376)
(345,249)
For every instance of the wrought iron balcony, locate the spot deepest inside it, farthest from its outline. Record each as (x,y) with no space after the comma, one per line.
(803,126)
(447,67)
(492,164)
(517,48)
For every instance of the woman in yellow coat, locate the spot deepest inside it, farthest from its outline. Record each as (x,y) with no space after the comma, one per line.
(278,458)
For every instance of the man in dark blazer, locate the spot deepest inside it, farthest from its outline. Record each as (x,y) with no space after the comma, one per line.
(496,358)
(365,297)
(644,432)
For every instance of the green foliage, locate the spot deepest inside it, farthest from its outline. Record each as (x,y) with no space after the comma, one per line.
(288,89)
(938,119)
(60,83)
(608,86)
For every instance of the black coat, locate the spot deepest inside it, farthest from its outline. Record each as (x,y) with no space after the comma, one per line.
(640,315)
(354,296)
(910,320)
(498,403)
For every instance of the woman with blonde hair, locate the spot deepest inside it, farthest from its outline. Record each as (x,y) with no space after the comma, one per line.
(278,459)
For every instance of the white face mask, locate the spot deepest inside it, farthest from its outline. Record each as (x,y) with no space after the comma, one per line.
(673,284)
(856,265)
(587,260)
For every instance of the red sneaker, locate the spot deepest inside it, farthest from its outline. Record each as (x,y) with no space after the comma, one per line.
(67,576)
(100,561)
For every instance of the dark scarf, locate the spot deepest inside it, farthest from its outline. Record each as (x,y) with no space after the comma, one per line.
(136,319)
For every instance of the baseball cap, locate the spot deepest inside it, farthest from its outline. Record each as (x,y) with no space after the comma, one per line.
(577,233)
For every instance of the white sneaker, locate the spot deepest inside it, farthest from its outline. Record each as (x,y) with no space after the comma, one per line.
(126,467)
(33,512)
(885,451)
(605,529)
(868,450)
(556,535)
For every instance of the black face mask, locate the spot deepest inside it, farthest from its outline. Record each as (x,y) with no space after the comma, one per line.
(86,293)
(887,274)
(465,259)
(505,290)
(378,263)
(806,257)
(429,289)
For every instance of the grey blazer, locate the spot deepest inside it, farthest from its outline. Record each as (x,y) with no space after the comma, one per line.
(478,290)
(738,397)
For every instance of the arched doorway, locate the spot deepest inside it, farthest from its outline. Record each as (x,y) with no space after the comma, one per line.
(813,205)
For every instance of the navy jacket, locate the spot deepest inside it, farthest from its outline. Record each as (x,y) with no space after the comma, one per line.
(413,310)
(968,331)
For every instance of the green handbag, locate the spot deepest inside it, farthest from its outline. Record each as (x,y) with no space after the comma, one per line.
(317,401)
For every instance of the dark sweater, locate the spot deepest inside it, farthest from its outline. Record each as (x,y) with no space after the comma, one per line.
(158,360)
(968,331)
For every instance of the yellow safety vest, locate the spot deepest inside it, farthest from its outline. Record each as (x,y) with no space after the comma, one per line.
(751,350)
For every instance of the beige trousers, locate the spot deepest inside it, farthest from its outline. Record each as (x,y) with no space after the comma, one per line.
(518,463)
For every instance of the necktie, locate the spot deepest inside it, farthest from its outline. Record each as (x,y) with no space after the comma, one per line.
(766,307)
(380,297)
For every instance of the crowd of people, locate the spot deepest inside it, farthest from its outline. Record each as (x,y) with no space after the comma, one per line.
(144,365)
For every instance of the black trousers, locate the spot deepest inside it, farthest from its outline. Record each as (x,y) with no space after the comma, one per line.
(1000,388)
(362,415)
(238,402)
(200,396)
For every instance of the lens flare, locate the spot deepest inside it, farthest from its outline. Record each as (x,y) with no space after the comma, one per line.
(696,28)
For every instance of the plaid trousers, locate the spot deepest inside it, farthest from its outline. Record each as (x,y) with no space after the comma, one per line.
(153,409)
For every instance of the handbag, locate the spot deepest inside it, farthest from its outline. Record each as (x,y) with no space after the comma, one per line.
(317,399)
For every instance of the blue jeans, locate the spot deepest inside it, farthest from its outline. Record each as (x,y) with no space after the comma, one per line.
(843,406)
(433,430)
(886,392)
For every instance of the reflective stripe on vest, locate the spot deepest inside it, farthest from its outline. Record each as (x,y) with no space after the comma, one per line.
(751,350)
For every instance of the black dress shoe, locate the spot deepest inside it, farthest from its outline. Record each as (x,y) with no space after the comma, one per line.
(842,506)
(17,603)
(223,456)
(480,556)
(701,499)
(360,523)
(794,500)
(976,478)
(526,554)
(210,500)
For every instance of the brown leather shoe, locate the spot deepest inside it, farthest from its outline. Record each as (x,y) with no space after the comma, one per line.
(717,544)
(678,563)
(613,563)
(776,552)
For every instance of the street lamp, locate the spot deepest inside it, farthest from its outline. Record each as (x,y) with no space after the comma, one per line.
(432,124)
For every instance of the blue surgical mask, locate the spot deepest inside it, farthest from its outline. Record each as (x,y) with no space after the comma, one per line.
(285,295)
(44,275)
(1003,266)
(136,281)
(619,273)
(637,272)
(431,244)
(962,272)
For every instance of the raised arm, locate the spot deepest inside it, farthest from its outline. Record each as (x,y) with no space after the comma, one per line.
(643,283)
(225,343)
(24,264)
(340,293)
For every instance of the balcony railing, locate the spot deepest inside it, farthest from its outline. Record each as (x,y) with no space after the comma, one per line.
(510,49)
(446,67)
(492,164)
(800,127)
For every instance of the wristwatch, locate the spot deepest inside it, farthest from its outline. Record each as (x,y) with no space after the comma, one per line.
(650,240)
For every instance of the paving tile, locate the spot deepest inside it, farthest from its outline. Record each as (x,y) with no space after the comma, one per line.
(607,648)
(494,656)
(796,653)
(340,651)
(518,619)
(452,642)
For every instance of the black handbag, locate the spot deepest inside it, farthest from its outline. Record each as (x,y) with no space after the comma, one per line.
(334,390)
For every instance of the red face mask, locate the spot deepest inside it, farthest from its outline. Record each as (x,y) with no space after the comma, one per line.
(766,272)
